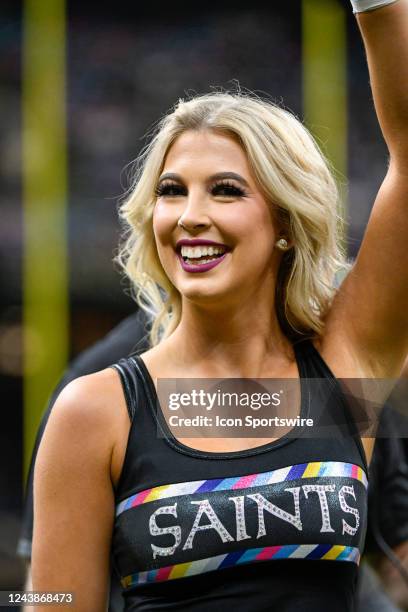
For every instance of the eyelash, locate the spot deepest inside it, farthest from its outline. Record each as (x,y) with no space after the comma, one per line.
(165,190)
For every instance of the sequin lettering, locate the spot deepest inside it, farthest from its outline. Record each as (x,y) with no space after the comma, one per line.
(174,530)
(264,504)
(346,508)
(215,523)
(240,516)
(324,507)
(243,508)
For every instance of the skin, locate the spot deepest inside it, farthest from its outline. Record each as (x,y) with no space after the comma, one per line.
(228,326)
(247,275)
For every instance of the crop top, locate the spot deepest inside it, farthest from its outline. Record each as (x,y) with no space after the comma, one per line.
(268,528)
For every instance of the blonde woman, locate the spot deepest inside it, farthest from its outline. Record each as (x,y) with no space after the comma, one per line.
(233,246)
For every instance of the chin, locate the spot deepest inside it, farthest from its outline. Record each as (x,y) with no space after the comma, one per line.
(201,297)
(209,296)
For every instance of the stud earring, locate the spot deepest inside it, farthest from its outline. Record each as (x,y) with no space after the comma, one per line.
(282,244)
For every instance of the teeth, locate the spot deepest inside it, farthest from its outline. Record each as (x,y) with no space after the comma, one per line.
(202,261)
(195,252)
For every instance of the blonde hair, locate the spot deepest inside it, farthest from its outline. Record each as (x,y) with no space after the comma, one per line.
(293,176)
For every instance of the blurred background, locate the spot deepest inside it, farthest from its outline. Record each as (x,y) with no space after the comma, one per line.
(80,86)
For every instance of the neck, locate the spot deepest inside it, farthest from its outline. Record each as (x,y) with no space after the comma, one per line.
(242,342)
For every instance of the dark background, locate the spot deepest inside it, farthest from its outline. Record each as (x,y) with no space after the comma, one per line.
(128,63)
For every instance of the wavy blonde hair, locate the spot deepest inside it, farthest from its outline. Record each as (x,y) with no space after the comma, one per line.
(294,177)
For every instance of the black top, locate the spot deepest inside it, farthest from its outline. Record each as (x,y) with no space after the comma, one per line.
(388,469)
(269,528)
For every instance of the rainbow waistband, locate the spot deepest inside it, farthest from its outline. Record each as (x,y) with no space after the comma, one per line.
(315,469)
(325,552)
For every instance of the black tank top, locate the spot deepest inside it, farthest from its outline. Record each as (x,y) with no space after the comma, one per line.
(274,527)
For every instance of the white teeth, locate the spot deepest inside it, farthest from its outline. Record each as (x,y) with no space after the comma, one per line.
(204,261)
(195,252)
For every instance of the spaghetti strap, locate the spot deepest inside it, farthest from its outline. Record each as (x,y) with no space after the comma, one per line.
(128,385)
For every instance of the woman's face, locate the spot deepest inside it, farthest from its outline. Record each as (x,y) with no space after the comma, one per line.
(207,183)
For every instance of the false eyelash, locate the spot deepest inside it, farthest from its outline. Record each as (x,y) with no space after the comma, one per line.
(233,189)
(164,189)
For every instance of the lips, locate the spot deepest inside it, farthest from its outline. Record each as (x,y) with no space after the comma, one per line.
(199,242)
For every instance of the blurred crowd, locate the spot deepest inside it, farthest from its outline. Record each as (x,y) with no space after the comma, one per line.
(125,68)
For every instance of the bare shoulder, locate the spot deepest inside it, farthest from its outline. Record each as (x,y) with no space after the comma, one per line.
(88,399)
(90,414)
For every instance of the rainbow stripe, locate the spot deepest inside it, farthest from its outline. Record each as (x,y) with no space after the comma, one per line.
(325,552)
(316,469)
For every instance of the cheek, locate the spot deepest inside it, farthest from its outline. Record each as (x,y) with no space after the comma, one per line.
(255,232)
(265,225)
(164,221)
(249,222)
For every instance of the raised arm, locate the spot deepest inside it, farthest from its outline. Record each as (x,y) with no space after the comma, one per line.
(371,309)
(385,36)
(73,497)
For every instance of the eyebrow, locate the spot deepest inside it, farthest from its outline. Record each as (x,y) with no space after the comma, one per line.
(213,177)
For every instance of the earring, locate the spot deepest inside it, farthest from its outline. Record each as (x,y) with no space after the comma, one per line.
(282,244)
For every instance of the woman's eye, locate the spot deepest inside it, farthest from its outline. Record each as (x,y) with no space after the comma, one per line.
(169,190)
(226,190)
(222,190)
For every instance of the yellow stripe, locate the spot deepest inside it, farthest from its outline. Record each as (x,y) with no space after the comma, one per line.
(155,494)
(334,552)
(126,581)
(45,268)
(312,469)
(359,473)
(179,570)
(325,81)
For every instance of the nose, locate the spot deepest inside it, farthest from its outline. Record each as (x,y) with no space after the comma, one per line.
(195,214)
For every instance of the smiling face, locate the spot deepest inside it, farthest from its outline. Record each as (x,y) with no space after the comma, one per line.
(207,183)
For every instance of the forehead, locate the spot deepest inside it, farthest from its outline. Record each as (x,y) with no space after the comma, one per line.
(206,150)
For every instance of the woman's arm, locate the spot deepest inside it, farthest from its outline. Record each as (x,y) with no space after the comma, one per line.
(370,312)
(73,496)
(385,36)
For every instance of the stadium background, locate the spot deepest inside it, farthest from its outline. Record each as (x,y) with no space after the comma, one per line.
(80,86)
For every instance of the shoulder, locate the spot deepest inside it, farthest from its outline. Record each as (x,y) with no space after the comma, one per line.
(85,420)
(88,396)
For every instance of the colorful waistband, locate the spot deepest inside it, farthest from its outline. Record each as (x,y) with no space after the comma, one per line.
(325,552)
(316,469)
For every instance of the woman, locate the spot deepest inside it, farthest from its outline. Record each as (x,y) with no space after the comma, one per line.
(265,524)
